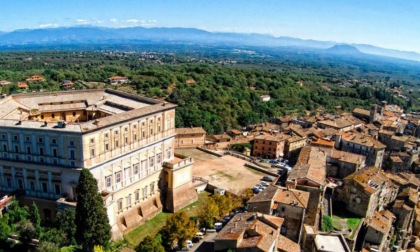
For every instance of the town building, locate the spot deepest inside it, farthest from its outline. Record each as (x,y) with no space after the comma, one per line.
(366,191)
(67,84)
(269,146)
(330,242)
(340,164)
(342,123)
(309,174)
(290,204)
(35,78)
(189,137)
(293,146)
(249,232)
(379,230)
(4,82)
(114,80)
(358,143)
(126,142)
(218,141)
(265,98)
(23,86)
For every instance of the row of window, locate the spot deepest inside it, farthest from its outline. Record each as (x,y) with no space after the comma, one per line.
(134,131)
(129,172)
(28,139)
(32,185)
(262,148)
(136,196)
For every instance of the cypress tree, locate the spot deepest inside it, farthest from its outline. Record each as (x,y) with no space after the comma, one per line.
(91,217)
(35,219)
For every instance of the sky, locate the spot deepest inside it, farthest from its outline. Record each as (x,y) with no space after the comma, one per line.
(393,24)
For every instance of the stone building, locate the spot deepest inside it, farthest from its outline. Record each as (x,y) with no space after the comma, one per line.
(269,146)
(293,146)
(123,139)
(190,137)
(290,204)
(309,175)
(249,232)
(379,230)
(362,144)
(366,191)
(341,163)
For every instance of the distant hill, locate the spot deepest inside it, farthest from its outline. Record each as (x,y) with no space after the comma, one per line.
(90,34)
(344,50)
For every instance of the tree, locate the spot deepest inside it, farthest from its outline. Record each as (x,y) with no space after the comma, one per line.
(149,244)
(55,236)
(67,224)
(35,219)
(208,213)
(246,195)
(179,228)
(91,217)
(5,228)
(26,231)
(17,213)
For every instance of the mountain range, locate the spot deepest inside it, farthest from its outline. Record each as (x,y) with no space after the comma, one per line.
(101,35)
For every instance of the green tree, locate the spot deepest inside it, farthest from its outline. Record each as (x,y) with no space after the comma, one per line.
(91,217)
(208,213)
(45,246)
(54,235)
(178,229)
(17,213)
(5,228)
(67,224)
(26,231)
(149,244)
(327,223)
(35,219)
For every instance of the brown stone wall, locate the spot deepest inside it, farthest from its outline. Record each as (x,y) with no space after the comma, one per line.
(189,140)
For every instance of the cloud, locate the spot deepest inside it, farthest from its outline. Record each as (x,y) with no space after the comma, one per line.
(94,21)
(114,22)
(51,25)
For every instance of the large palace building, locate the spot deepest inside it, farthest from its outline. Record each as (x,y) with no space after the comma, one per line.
(126,141)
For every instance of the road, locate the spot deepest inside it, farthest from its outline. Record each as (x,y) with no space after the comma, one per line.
(206,244)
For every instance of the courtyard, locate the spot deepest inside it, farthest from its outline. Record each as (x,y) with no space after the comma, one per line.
(225,172)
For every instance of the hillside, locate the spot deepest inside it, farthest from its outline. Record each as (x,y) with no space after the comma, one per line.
(94,35)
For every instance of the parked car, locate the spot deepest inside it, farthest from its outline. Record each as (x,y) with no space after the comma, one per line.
(267,178)
(189,243)
(199,235)
(211,230)
(218,226)
(273,161)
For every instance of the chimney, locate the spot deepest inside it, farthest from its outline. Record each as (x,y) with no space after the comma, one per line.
(61,124)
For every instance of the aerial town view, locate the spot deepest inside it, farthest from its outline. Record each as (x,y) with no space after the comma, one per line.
(227,126)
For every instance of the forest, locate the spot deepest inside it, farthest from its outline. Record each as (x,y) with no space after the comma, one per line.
(220,89)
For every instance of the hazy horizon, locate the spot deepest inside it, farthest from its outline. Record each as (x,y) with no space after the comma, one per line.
(387,24)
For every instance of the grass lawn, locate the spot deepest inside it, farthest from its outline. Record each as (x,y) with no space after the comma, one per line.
(339,223)
(153,226)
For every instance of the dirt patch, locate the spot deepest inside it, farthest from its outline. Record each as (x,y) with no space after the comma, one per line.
(226,172)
